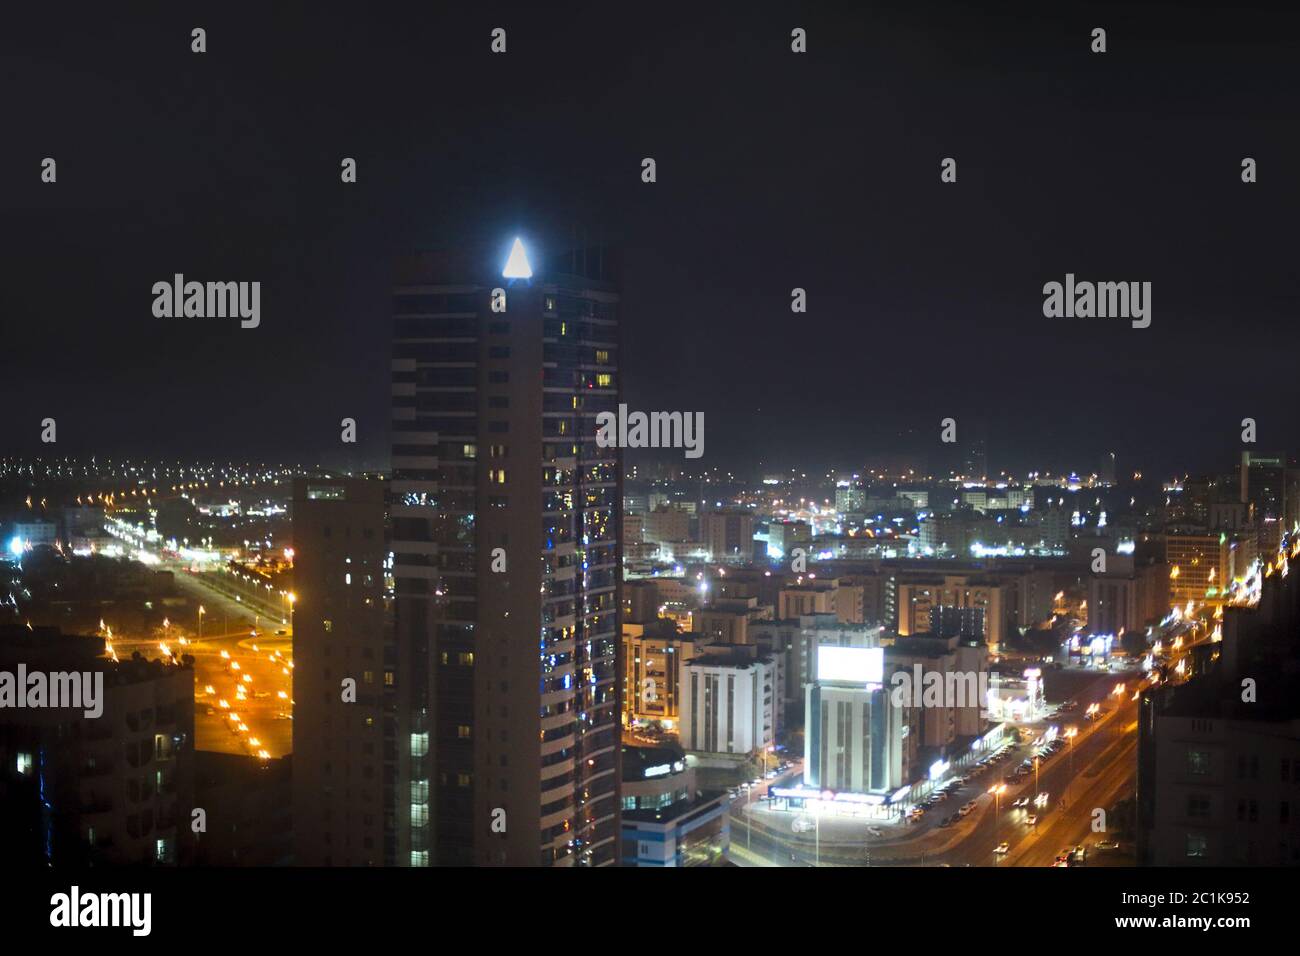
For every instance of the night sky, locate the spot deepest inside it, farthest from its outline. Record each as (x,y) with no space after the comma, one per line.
(774,170)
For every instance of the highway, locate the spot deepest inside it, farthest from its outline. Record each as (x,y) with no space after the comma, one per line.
(232,660)
(1094,771)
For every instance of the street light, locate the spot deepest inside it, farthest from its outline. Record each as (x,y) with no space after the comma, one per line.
(817,832)
(997,792)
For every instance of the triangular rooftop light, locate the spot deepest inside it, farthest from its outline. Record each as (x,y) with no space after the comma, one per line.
(517,266)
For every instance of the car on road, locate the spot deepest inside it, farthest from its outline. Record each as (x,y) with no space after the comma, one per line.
(733,792)
(947,822)
(1031,820)
(1105,846)
(803,825)
(1020,802)
(1062,859)
(1002,848)
(875,832)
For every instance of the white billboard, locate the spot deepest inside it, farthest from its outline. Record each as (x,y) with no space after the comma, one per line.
(850,665)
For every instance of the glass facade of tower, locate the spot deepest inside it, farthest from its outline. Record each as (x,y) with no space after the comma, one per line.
(580,551)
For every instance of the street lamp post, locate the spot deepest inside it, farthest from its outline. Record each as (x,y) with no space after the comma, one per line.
(201,613)
(817,834)
(997,802)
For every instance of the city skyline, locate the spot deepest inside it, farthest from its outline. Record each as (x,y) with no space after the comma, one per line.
(572,437)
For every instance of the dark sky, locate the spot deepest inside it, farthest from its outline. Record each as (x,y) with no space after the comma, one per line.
(775,171)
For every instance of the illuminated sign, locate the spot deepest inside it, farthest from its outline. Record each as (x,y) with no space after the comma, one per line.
(658,771)
(517,266)
(852,665)
(826,796)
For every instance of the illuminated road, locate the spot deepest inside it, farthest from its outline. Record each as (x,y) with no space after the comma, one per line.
(232,661)
(222,659)
(1104,765)
(1100,771)
(270,678)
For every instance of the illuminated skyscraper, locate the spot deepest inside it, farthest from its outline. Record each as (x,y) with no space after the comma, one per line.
(505,523)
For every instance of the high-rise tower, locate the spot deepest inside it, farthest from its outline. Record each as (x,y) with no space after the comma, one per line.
(507,553)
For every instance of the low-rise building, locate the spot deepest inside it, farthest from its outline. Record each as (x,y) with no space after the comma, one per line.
(666,820)
(728,703)
(112,789)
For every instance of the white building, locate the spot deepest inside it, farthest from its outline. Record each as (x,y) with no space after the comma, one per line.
(854,735)
(1017,698)
(728,702)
